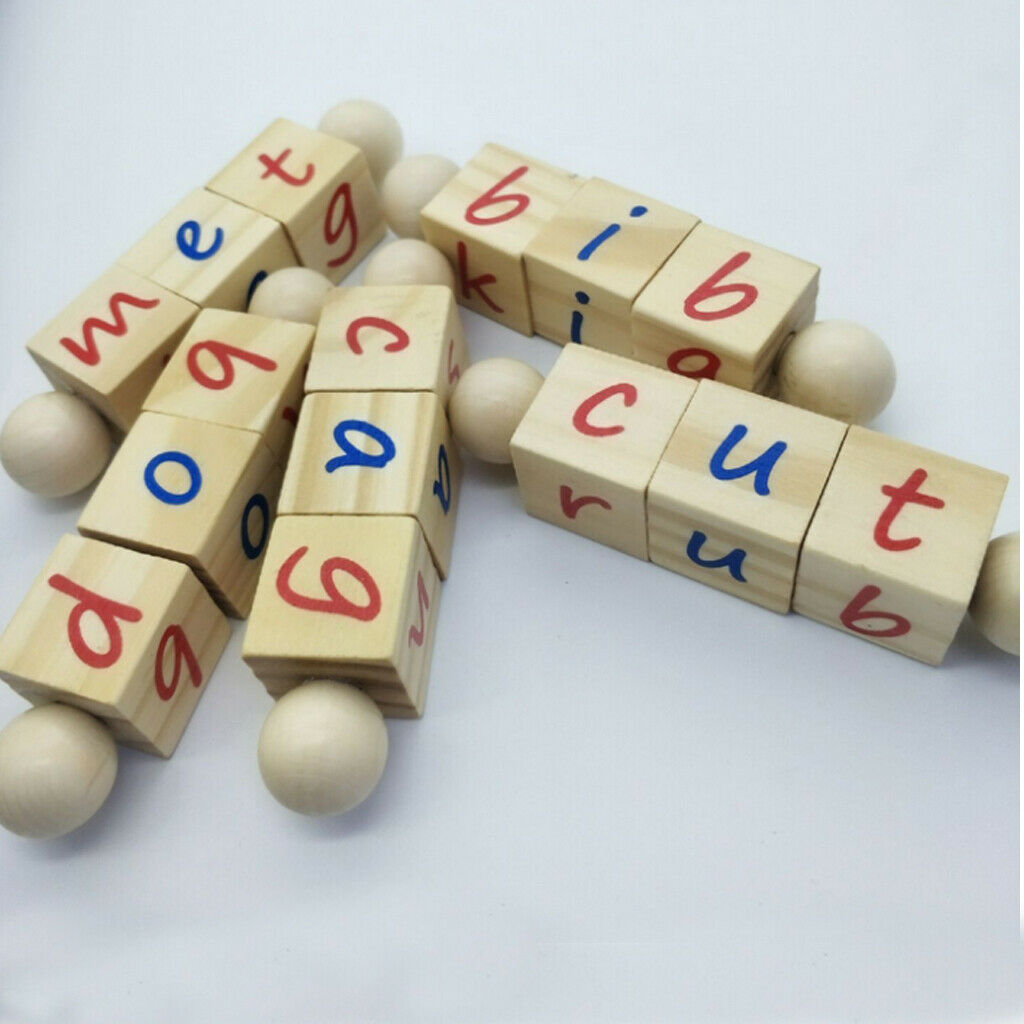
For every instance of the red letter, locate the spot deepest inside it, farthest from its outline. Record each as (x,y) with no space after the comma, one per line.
(416,633)
(476,284)
(453,371)
(334,602)
(223,353)
(182,653)
(571,506)
(854,612)
(348,220)
(352,334)
(711,366)
(906,493)
(580,418)
(106,610)
(710,289)
(519,201)
(88,353)
(273,166)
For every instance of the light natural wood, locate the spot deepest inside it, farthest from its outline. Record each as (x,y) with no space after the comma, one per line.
(127,637)
(587,265)
(317,186)
(341,598)
(493,232)
(585,451)
(110,344)
(420,346)
(408,261)
(210,493)
(370,127)
(409,186)
(995,606)
(54,444)
(291,293)
(757,520)
(670,315)
(211,251)
(858,566)
(400,461)
(238,370)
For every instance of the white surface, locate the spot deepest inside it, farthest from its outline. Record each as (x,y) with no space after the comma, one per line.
(632,798)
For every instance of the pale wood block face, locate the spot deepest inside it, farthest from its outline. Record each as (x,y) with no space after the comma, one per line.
(721,307)
(400,338)
(736,488)
(128,637)
(483,220)
(319,187)
(196,492)
(210,251)
(895,547)
(587,265)
(585,451)
(110,344)
(238,370)
(376,453)
(352,598)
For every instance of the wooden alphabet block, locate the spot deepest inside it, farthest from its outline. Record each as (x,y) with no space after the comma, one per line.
(585,451)
(238,370)
(734,493)
(196,492)
(587,265)
(318,186)
(128,637)
(895,547)
(401,338)
(211,251)
(721,307)
(483,220)
(376,453)
(111,343)
(352,598)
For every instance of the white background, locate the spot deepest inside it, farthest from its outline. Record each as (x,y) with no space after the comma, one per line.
(632,798)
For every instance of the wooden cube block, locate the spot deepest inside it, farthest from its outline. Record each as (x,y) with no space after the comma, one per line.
(352,598)
(721,307)
(587,265)
(402,338)
(196,492)
(238,370)
(734,493)
(111,343)
(585,451)
(896,545)
(484,218)
(318,186)
(211,251)
(128,637)
(376,453)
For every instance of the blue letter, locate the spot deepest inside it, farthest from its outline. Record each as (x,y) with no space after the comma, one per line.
(164,495)
(613,229)
(443,483)
(354,456)
(733,561)
(252,551)
(577,318)
(761,467)
(258,278)
(188,241)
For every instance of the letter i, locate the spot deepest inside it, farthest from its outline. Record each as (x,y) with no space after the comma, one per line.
(591,247)
(577,318)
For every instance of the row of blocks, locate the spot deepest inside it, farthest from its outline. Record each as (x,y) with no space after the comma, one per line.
(585,261)
(775,504)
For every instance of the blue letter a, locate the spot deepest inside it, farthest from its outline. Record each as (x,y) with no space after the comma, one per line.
(761,467)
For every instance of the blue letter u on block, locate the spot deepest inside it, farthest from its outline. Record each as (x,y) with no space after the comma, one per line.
(761,467)
(732,561)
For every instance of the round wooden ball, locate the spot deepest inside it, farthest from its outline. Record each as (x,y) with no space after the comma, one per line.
(409,186)
(292,293)
(54,444)
(57,766)
(995,607)
(839,369)
(487,404)
(369,126)
(408,261)
(323,748)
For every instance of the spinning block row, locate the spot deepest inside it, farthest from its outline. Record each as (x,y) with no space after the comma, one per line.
(537,248)
(772,503)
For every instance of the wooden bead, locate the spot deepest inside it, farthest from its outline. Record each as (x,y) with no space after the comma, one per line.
(323,748)
(54,444)
(292,293)
(57,766)
(488,403)
(839,369)
(369,126)
(408,261)
(409,186)
(995,607)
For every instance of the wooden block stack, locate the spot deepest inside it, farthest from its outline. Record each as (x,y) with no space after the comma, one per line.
(367,511)
(781,506)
